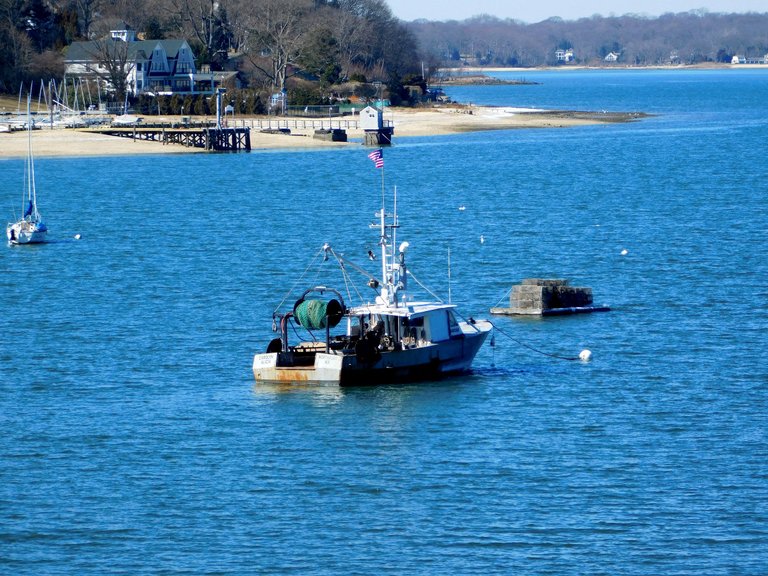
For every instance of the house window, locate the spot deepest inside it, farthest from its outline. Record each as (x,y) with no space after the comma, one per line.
(158,61)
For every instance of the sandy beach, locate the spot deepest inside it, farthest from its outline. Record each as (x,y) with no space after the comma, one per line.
(407,123)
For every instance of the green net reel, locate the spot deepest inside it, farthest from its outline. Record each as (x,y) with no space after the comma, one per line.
(318,314)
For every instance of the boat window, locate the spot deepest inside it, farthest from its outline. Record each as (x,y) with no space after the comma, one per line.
(453,324)
(437,326)
(353,326)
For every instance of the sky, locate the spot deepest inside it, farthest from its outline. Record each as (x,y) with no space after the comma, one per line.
(531,11)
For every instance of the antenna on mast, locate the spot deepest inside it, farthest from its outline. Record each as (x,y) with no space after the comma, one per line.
(449,274)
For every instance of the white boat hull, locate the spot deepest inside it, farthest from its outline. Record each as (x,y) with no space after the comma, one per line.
(326,369)
(419,363)
(25,232)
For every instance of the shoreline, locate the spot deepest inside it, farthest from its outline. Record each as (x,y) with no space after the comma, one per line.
(408,123)
(577,67)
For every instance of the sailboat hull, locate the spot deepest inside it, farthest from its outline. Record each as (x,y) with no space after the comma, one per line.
(25,232)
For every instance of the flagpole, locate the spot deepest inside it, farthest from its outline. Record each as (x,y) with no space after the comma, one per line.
(383,192)
(377,157)
(383,238)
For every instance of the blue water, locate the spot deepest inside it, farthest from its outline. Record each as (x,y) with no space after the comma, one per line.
(135,442)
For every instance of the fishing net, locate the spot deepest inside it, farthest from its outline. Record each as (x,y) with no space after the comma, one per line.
(317,314)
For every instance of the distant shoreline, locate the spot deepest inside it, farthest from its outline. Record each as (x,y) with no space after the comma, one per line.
(578,67)
(408,123)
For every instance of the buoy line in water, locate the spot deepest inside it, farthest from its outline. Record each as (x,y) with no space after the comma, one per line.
(585,355)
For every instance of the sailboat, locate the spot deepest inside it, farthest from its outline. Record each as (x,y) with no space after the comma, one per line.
(389,339)
(30,229)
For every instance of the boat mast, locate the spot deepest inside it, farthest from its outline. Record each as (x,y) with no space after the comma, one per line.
(386,267)
(449,274)
(31,195)
(383,232)
(393,271)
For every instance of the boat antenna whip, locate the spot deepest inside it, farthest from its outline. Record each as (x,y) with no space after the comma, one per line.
(424,287)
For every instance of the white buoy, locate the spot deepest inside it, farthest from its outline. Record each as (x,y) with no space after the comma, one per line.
(77,236)
(585,355)
(624,252)
(482,239)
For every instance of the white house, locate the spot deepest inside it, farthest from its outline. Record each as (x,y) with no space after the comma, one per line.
(564,55)
(124,34)
(752,60)
(611,57)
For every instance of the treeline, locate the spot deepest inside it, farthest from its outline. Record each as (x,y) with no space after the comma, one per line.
(684,38)
(311,48)
(271,42)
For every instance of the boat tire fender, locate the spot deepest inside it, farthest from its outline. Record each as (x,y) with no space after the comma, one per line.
(275,345)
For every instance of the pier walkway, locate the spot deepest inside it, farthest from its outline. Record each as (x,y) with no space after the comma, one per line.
(208,138)
(234,134)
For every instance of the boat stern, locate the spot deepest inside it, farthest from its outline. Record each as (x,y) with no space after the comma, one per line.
(272,367)
(24,232)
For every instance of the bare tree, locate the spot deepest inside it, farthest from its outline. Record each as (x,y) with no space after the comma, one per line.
(240,15)
(203,22)
(16,54)
(277,38)
(134,13)
(200,15)
(87,10)
(111,63)
(353,35)
(15,58)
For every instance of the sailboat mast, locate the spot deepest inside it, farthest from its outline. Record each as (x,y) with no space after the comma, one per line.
(31,193)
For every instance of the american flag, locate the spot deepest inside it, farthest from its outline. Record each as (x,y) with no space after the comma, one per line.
(378,158)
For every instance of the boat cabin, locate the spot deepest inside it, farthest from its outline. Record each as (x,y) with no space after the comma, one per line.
(409,327)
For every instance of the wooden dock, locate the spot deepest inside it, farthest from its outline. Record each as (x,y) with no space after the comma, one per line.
(206,137)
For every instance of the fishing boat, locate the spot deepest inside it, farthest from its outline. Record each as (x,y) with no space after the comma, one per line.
(30,228)
(389,338)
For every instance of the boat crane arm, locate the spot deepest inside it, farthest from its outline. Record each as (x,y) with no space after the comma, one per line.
(373,282)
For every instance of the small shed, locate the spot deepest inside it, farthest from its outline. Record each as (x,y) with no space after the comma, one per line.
(375,133)
(371,118)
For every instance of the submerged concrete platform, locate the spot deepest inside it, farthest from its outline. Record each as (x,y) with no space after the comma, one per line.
(549,297)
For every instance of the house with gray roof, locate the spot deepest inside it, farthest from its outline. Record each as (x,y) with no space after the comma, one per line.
(151,66)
